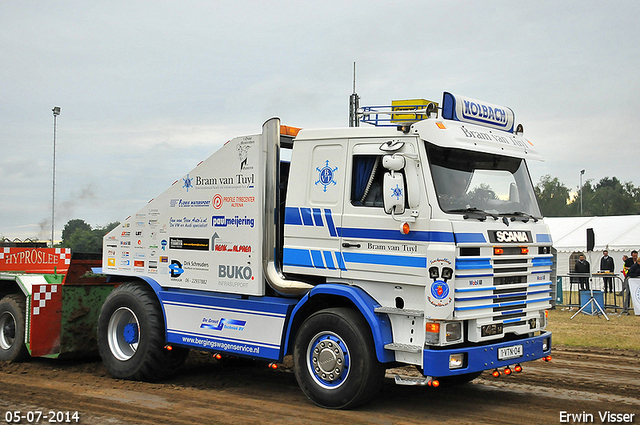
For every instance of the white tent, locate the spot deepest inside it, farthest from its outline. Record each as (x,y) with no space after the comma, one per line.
(618,234)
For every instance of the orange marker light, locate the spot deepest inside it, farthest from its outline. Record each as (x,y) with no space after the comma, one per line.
(507,371)
(547,358)
(524,250)
(435,383)
(498,251)
(168,347)
(285,130)
(405,228)
(441,126)
(433,327)
(518,368)
(496,373)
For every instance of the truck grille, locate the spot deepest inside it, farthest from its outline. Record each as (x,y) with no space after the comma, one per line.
(501,288)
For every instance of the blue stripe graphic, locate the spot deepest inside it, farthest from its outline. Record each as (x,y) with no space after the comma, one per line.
(317,217)
(306,216)
(470,238)
(394,235)
(296,257)
(316,256)
(328,259)
(292,216)
(539,262)
(332,228)
(473,263)
(543,238)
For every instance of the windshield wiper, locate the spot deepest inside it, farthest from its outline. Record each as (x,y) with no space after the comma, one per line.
(522,215)
(473,210)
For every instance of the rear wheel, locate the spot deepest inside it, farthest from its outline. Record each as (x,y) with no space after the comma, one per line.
(12,328)
(334,359)
(131,336)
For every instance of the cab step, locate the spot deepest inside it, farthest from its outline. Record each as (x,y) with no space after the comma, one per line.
(399,311)
(396,346)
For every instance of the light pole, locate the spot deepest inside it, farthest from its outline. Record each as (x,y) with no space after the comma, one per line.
(581,174)
(56,112)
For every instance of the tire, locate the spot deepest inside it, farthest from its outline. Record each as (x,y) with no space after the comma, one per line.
(131,336)
(12,328)
(334,359)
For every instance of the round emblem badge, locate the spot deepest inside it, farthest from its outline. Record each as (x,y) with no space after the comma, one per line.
(440,289)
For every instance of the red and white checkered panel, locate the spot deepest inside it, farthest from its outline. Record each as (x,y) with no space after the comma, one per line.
(46,316)
(40,297)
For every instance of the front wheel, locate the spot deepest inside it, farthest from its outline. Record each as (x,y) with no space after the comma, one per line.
(131,336)
(334,359)
(12,328)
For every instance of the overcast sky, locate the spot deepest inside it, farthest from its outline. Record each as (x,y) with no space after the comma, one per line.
(149,89)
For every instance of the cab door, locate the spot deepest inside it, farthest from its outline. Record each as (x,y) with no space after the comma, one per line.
(372,245)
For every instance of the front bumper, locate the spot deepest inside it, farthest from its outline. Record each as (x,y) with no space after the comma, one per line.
(484,357)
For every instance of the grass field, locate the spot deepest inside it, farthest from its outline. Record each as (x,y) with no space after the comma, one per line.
(620,332)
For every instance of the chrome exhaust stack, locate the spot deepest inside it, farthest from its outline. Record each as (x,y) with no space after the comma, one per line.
(273,227)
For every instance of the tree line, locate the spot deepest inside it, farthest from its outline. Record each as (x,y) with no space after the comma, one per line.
(609,196)
(78,235)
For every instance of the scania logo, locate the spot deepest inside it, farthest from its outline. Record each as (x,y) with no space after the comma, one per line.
(511,236)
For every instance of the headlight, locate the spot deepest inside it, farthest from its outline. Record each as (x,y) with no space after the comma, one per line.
(456,361)
(447,273)
(454,331)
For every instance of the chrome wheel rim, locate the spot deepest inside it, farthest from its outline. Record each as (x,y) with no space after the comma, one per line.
(123,333)
(328,360)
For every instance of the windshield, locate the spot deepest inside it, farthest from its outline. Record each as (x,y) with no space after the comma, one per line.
(467,182)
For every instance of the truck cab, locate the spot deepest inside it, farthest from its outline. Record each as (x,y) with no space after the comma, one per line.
(437,220)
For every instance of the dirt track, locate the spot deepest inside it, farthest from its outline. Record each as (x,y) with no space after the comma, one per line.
(208,391)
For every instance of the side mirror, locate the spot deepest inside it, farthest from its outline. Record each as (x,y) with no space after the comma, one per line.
(393,162)
(393,193)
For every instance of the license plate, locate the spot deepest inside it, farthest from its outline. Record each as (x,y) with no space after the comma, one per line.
(512,352)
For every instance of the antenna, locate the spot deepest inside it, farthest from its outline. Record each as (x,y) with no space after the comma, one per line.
(354,77)
(354,103)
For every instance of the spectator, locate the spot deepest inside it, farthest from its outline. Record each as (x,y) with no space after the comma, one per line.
(625,258)
(583,266)
(606,265)
(634,271)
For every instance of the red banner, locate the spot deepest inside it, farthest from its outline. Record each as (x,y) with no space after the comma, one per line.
(35,260)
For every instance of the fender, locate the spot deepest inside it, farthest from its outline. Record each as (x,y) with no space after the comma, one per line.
(379,323)
(151,282)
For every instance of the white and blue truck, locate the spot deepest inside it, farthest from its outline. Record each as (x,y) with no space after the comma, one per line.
(415,241)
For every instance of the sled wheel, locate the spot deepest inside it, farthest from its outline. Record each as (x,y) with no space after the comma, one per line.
(334,359)
(12,328)
(131,335)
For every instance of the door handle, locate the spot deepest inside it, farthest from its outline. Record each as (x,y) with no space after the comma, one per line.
(350,245)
